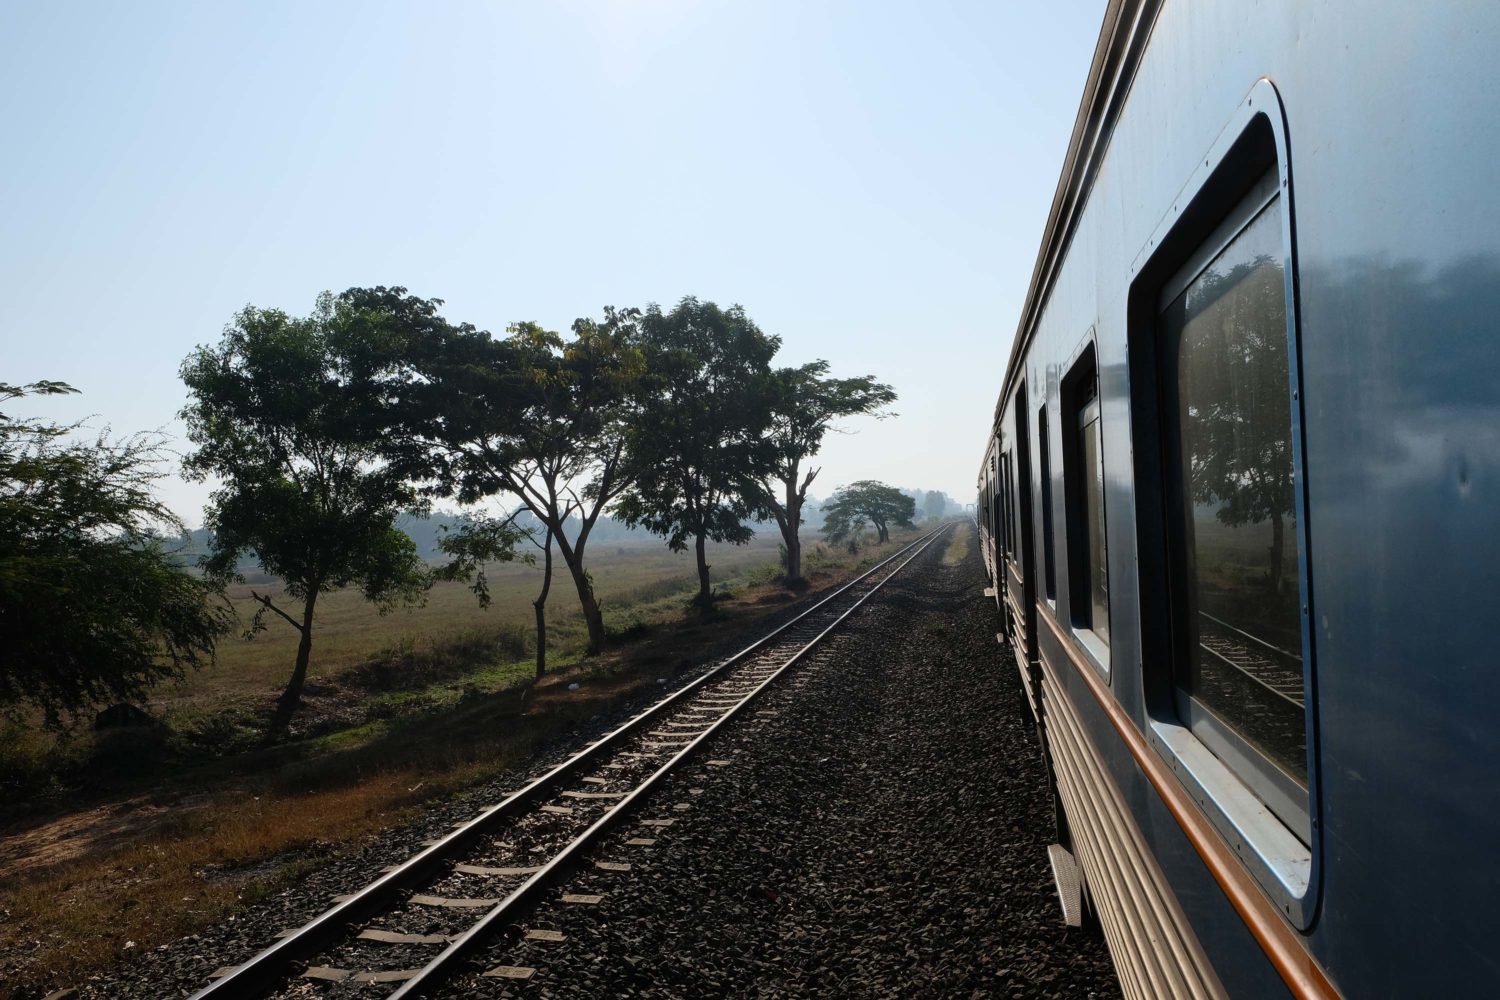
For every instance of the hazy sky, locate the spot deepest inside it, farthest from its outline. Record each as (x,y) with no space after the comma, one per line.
(870,180)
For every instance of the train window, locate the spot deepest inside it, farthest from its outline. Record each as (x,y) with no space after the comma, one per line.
(1015,511)
(1091,473)
(1004,488)
(1083,481)
(1230,476)
(1049,568)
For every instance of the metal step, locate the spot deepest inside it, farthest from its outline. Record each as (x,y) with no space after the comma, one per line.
(1069,883)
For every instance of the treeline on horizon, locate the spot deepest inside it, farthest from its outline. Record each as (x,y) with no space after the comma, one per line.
(327,432)
(428,529)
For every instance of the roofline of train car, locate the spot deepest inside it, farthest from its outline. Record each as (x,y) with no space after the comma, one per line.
(1122,41)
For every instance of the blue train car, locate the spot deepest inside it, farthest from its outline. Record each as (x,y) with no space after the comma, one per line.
(1240,501)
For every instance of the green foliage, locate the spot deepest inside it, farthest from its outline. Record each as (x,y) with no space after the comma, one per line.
(881,505)
(536,416)
(289,413)
(701,414)
(94,607)
(476,541)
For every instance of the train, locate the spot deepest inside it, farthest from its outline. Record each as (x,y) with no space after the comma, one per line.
(1239,503)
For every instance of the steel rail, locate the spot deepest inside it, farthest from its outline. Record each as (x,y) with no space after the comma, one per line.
(265,968)
(445,964)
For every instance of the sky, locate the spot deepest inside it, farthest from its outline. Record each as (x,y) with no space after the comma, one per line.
(869,180)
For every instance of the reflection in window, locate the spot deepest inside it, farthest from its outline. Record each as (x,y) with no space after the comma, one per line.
(1226,345)
(1048,564)
(1091,469)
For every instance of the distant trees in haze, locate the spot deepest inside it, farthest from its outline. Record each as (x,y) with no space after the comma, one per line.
(934,504)
(94,606)
(867,500)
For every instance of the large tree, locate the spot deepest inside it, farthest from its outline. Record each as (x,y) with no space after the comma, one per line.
(288,414)
(94,608)
(867,500)
(536,417)
(702,411)
(804,405)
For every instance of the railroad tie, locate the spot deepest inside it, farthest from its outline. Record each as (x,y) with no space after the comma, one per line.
(393,937)
(498,872)
(612,866)
(594,795)
(460,904)
(327,974)
(509,972)
(537,934)
(391,976)
(582,899)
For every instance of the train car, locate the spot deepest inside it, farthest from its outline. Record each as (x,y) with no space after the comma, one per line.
(1240,500)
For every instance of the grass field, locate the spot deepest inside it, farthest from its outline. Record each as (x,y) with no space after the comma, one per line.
(409,707)
(349,629)
(424,656)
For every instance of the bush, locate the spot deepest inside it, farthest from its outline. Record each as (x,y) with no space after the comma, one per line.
(405,667)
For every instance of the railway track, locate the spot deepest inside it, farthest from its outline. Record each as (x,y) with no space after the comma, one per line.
(1273,668)
(423,920)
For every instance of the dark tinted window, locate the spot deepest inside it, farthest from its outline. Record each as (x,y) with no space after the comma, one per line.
(1226,348)
(1049,568)
(1095,561)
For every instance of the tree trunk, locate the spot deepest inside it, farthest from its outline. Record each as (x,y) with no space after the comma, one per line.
(292,696)
(573,559)
(791,534)
(705,589)
(881,534)
(1278,549)
(592,616)
(540,604)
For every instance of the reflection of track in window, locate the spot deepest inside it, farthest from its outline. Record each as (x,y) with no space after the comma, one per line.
(1277,670)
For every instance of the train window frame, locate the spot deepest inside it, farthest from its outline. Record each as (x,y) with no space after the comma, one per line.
(1049,554)
(1081,408)
(1230,780)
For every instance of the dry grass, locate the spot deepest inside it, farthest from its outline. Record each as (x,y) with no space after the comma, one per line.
(287,811)
(958,543)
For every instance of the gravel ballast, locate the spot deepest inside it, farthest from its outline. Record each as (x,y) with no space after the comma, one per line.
(877,828)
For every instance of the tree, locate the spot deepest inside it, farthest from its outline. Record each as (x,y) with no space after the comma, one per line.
(878,503)
(94,608)
(934,504)
(804,404)
(288,413)
(702,411)
(1237,424)
(534,416)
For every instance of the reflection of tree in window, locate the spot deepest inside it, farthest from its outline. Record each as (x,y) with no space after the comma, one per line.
(1234,407)
(1092,459)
